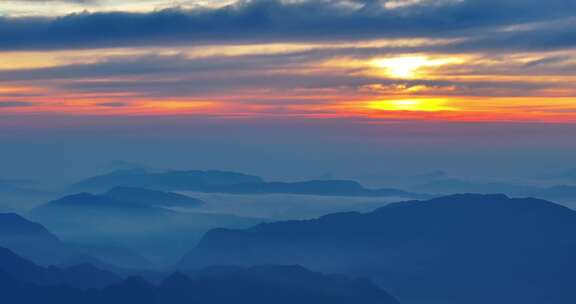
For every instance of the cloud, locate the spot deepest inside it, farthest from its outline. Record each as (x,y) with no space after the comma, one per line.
(46,1)
(280,74)
(157,65)
(15,104)
(550,60)
(114,104)
(275,20)
(542,37)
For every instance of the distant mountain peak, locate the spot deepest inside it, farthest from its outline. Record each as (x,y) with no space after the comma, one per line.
(167,180)
(86,199)
(87,203)
(216,181)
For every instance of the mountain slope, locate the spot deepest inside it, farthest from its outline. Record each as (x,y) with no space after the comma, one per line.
(158,234)
(455,249)
(79,276)
(314,187)
(152,197)
(91,204)
(32,240)
(194,180)
(25,283)
(271,284)
(230,182)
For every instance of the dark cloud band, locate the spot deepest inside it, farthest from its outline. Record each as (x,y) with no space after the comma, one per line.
(15,104)
(272,20)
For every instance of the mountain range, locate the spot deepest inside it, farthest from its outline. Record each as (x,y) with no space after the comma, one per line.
(152,197)
(455,185)
(87,204)
(230,182)
(35,242)
(32,240)
(193,180)
(23,282)
(19,195)
(456,249)
(77,276)
(139,219)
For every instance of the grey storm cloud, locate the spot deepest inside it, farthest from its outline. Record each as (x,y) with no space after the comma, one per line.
(274,20)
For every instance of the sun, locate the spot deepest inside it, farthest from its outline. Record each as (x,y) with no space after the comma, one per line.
(407,67)
(414,105)
(401,67)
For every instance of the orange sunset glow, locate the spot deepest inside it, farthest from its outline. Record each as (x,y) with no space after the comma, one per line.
(374,77)
(287,151)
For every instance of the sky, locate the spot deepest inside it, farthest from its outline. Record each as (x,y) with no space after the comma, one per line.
(413,84)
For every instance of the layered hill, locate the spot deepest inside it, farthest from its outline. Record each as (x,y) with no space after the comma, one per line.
(126,217)
(32,240)
(152,197)
(456,249)
(26,283)
(194,180)
(230,182)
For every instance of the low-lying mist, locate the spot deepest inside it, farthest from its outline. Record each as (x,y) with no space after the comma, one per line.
(283,206)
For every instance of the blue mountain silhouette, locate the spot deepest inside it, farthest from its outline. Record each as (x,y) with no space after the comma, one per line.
(161,235)
(35,242)
(456,249)
(230,182)
(32,240)
(23,282)
(194,180)
(79,276)
(152,197)
(92,204)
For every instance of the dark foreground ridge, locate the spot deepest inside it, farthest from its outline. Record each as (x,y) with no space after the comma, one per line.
(457,249)
(23,282)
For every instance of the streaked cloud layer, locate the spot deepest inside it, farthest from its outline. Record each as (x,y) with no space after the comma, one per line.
(379,61)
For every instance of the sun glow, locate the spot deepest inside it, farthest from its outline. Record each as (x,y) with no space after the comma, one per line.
(414,105)
(410,66)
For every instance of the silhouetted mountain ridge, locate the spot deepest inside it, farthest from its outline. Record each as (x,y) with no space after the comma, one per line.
(149,227)
(32,240)
(152,197)
(79,276)
(87,203)
(559,192)
(193,180)
(454,185)
(232,183)
(564,192)
(442,250)
(13,225)
(313,187)
(25,283)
